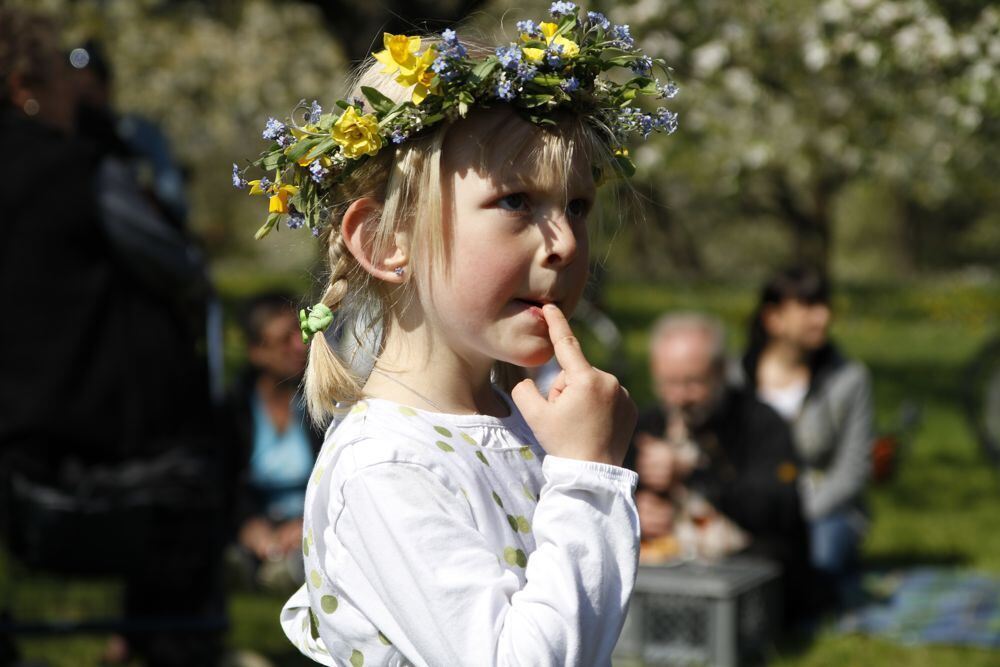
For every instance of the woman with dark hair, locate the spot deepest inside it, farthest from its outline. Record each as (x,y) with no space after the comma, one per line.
(827,399)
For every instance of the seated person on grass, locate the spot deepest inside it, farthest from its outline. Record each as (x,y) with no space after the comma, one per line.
(275,444)
(717,468)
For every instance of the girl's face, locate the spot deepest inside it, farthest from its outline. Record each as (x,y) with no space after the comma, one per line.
(514,238)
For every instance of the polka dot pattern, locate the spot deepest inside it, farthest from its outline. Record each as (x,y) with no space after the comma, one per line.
(500,489)
(329,603)
(515,556)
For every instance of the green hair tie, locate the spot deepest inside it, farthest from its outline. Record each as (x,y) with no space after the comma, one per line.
(313,320)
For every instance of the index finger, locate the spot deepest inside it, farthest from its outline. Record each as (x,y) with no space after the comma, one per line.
(566,346)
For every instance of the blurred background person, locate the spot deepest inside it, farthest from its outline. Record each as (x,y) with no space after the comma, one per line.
(711,455)
(793,366)
(275,442)
(104,397)
(128,136)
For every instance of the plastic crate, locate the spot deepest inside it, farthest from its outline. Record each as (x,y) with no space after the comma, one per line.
(697,613)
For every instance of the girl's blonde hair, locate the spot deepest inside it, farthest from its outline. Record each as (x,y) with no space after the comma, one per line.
(407,180)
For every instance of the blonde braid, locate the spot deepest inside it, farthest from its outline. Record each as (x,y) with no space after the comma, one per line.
(328,379)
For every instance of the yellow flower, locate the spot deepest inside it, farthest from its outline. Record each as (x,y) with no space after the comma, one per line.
(278,195)
(357,134)
(533,55)
(279,198)
(421,76)
(399,53)
(570,49)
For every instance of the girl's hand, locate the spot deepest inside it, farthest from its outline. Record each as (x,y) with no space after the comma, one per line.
(588,415)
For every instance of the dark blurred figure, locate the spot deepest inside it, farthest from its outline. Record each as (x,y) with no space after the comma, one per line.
(110,452)
(710,454)
(130,137)
(792,365)
(275,441)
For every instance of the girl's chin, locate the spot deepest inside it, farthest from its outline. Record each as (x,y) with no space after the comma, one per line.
(530,358)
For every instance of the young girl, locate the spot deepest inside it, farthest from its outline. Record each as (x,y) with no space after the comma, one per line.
(446,522)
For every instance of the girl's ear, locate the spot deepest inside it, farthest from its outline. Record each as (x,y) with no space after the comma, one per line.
(358,229)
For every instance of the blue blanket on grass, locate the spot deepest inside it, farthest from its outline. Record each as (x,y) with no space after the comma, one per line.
(933,606)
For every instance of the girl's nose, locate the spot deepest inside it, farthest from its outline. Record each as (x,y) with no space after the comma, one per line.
(560,242)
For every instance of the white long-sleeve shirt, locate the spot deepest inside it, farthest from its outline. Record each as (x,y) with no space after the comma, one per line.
(443,540)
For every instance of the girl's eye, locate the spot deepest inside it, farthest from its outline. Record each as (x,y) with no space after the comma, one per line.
(517,202)
(578,208)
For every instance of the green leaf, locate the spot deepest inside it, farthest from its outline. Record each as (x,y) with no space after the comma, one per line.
(325,144)
(541,120)
(380,103)
(566,24)
(484,69)
(621,61)
(547,80)
(536,100)
(273,161)
(298,200)
(625,165)
(272,221)
(301,147)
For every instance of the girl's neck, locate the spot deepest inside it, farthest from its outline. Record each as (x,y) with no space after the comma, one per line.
(782,365)
(429,375)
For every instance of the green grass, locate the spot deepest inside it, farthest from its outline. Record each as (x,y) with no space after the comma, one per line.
(942,507)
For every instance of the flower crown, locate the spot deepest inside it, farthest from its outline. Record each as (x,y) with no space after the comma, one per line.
(554,66)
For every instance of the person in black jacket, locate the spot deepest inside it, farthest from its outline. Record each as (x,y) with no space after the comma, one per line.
(104,396)
(275,443)
(713,453)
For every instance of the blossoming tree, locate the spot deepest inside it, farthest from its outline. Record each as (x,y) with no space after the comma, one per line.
(785,105)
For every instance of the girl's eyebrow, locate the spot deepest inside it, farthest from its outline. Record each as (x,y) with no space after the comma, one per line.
(576,188)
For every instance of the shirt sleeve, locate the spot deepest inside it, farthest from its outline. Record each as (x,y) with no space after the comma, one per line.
(441,586)
(849,471)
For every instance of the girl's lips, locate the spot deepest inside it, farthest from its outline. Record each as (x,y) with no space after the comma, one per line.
(532,307)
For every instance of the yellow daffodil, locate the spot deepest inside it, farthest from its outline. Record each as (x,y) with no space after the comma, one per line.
(421,76)
(399,53)
(279,199)
(532,54)
(358,135)
(570,49)
(278,194)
